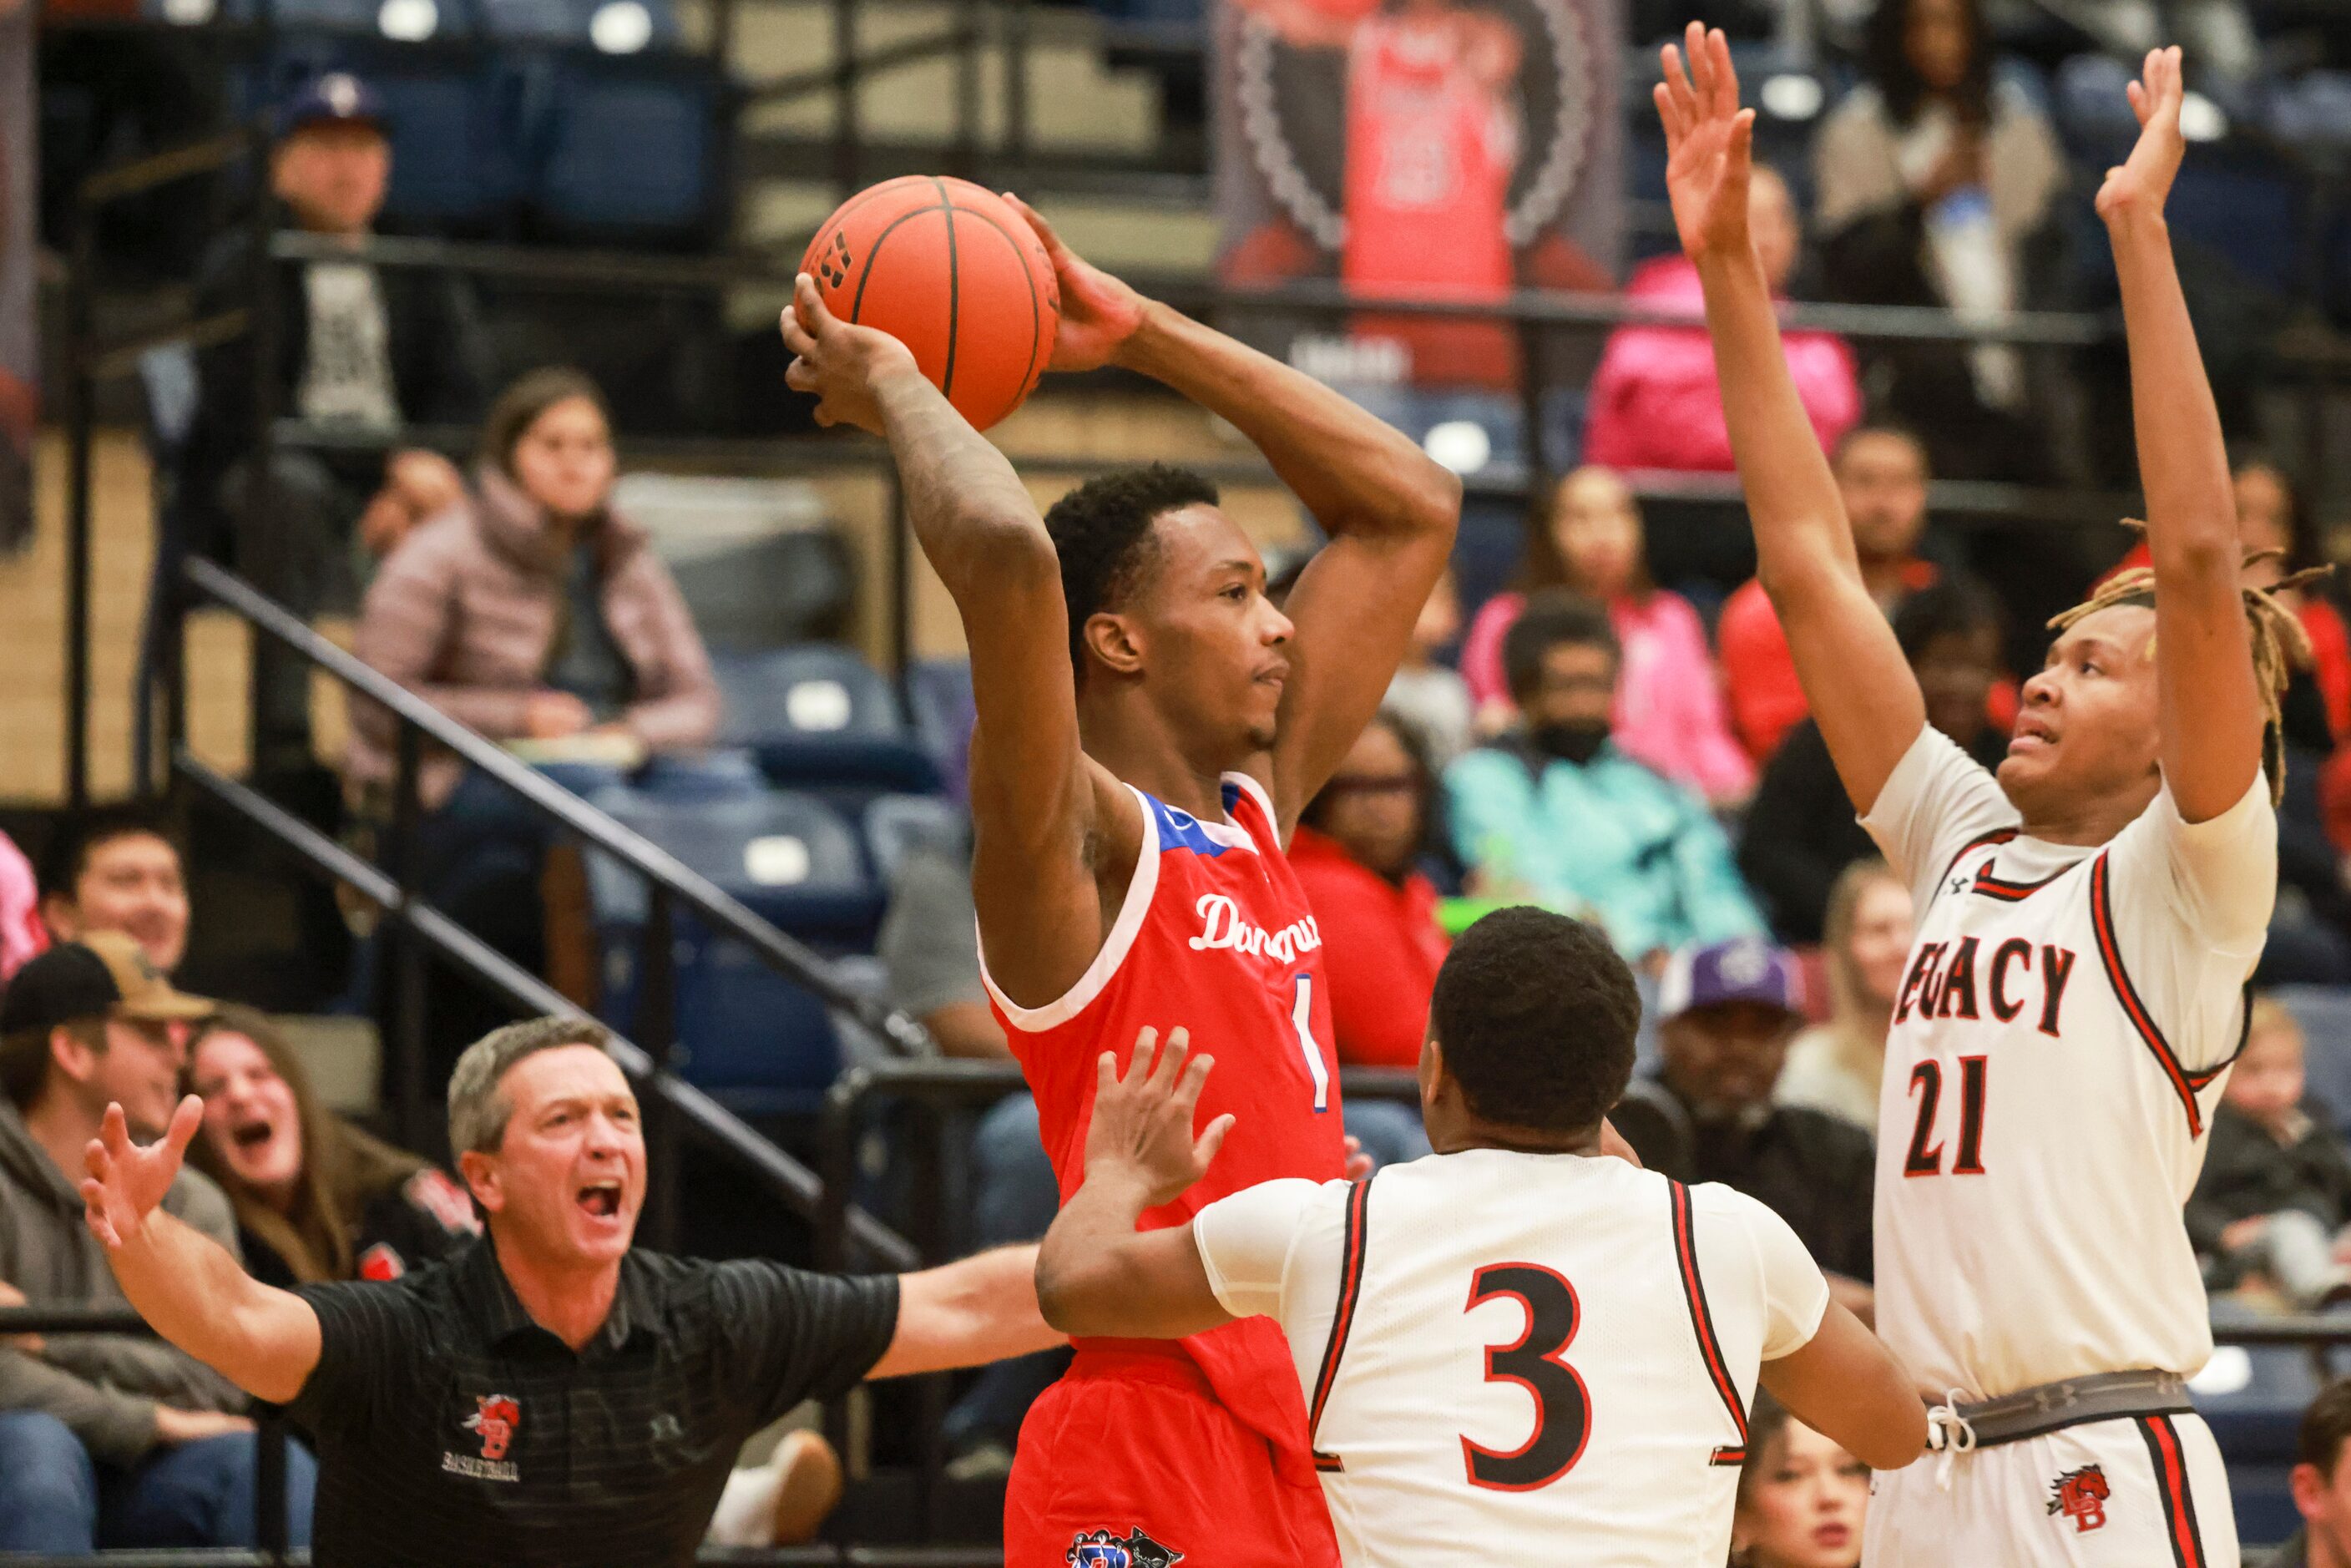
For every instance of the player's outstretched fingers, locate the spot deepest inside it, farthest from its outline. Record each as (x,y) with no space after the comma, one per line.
(1195,1079)
(93,1200)
(1168,1070)
(186,1117)
(1699,59)
(1725,72)
(114,1130)
(1138,1066)
(1677,91)
(1204,1153)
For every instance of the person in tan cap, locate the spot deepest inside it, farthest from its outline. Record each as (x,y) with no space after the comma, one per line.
(106,1440)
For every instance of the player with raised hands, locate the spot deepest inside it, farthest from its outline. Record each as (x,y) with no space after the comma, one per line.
(2087,920)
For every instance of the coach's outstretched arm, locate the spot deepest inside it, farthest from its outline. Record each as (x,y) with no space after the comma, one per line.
(1860,688)
(2209,702)
(1045,817)
(967,1313)
(185,1285)
(1097,1274)
(1390,509)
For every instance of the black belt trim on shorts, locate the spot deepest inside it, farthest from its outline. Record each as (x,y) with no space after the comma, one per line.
(2074,1401)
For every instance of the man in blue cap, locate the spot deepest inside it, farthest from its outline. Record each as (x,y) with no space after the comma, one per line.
(367,350)
(1728,1011)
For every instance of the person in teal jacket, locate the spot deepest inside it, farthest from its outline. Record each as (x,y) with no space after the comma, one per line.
(1554,813)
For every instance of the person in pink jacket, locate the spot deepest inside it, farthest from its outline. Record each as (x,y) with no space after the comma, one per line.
(1653,402)
(1669,712)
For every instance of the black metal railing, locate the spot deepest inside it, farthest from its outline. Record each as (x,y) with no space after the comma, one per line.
(422,929)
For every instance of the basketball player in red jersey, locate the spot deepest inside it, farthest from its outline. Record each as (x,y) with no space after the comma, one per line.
(1149,726)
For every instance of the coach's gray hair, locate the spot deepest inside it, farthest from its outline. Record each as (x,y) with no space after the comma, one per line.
(477,1110)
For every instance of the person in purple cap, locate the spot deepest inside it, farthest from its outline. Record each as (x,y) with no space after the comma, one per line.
(369,351)
(1729,1011)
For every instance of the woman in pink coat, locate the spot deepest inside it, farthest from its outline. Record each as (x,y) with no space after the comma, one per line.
(1669,712)
(1654,400)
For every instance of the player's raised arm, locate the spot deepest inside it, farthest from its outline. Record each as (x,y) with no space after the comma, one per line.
(1041,812)
(183,1283)
(1390,510)
(1861,690)
(1096,1273)
(2210,704)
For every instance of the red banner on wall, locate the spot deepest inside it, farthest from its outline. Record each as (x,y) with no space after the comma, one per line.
(1427,149)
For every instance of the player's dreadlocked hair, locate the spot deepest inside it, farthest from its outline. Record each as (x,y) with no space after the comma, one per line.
(1101,531)
(2280,644)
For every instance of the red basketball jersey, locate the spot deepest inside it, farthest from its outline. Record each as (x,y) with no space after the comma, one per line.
(1430,150)
(1215,936)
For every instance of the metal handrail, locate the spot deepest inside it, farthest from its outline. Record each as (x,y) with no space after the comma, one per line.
(551,800)
(1527,307)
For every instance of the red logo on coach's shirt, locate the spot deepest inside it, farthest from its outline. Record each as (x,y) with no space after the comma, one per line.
(2081,1496)
(495,1420)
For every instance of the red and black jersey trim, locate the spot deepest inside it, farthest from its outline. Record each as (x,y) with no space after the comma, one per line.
(1991,886)
(2177,1498)
(1997,836)
(1702,1323)
(1351,1288)
(2110,956)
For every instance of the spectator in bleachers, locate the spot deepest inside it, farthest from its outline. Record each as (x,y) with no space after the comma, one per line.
(1727,1011)
(316,1197)
(1933,181)
(368,350)
(2322,1485)
(1427,694)
(2275,1191)
(1655,403)
(1552,812)
(117,868)
(1802,1498)
(1836,1066)
(1668,710)
(21,934)
(1881,470)
(159,1438)
(1353,853)
(1800,833)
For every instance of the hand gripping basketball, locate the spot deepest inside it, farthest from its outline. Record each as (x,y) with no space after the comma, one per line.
(841,364)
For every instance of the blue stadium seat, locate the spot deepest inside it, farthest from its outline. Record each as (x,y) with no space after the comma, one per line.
(456,135)
(724,773)
(938,695)
(2092,111)
(817,715)
(630,152)
(896,825)
(2245,203)
(754,1039)
(610,26)
(2252,1397)
(2325,1014)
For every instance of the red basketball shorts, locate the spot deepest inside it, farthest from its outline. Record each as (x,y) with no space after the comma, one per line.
(1130,1461)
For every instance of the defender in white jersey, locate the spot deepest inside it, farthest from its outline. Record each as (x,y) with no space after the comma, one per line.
(2086,923)
(1518,1348)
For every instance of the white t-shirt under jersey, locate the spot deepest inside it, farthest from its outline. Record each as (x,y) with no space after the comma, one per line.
(2062,1034)
(1455,1249)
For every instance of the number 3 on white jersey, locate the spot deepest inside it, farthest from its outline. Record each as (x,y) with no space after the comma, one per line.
(1302,1014)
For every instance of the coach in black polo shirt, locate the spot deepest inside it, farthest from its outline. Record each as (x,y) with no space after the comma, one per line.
(548,1396)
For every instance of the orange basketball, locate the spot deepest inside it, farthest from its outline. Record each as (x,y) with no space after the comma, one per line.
(952,272)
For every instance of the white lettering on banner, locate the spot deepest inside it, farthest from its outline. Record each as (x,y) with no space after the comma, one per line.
(480,1470)
(1222,925)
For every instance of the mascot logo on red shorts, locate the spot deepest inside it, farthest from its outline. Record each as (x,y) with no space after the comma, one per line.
(2081,1496)
(494,1418)
(1101,1549)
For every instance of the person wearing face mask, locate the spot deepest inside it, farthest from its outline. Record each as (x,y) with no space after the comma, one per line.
(455,1410)
(1553,812)
(1669,709)
(1727,1013)
(1836,1066)
(1802,1497)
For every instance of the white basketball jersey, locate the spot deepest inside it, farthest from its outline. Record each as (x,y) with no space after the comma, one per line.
(1517,1357)
(2066,1024)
